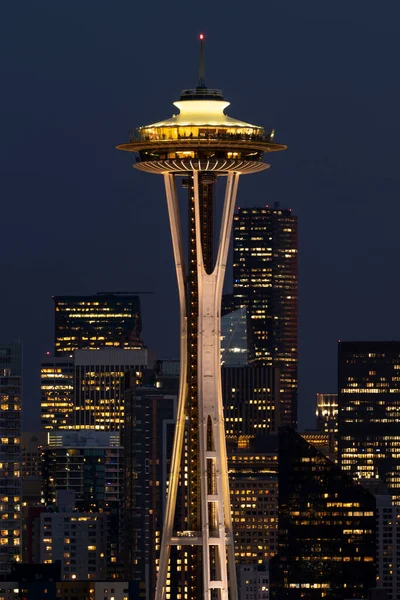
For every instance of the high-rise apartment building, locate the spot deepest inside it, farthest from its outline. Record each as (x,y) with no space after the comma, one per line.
(369,404)
(327,528)
(90,464)
(78,540)
(265,280)
(103,319)
(10,455)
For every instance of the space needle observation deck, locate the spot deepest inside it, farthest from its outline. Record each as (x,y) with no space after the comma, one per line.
(201,137)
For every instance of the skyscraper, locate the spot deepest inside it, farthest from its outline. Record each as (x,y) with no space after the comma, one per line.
(103,319)
(90,464)
(265,280)
(369,404)
(87,390)
(200,143)
(327,528)
(10,455)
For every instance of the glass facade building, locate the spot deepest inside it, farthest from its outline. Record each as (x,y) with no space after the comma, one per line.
(104,319)
(327,528)
(369,406)
(10,455)
(265,280)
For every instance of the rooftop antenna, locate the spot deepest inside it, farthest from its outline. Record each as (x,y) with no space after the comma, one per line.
(202,79)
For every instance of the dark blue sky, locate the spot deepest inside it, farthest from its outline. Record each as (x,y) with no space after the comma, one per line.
(75,217)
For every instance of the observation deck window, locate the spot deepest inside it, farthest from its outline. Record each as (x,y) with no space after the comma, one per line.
(196,132)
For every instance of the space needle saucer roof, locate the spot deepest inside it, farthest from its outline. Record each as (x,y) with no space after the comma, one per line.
(201,137)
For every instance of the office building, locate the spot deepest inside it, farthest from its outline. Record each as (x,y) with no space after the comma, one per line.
(87,390)
(148,437)
(91,465)
(253,476)
(251,400)
(99,385)
(92,322)
(265,280)
(78,540)
(10,455)
(57,392)
(327,528)
(369,404)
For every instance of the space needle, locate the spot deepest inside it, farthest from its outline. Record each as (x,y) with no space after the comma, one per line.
(197,145)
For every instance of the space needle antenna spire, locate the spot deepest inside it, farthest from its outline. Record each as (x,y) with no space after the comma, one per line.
(202,79)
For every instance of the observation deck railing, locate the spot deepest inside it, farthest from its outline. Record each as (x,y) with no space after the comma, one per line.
(162,137)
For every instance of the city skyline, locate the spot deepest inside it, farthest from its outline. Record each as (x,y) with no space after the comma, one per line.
(221,424)
(296,88)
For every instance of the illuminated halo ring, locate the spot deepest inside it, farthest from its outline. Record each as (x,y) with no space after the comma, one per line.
(218,166)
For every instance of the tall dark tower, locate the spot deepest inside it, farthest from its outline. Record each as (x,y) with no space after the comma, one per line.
(265,280)
(369,405)
(199,144)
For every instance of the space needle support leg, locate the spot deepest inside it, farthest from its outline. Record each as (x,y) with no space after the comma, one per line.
(216,522)
(176,233)
(225,236)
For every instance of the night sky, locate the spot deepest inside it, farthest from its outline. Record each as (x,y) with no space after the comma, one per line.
(76,218)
